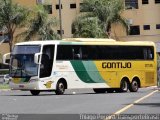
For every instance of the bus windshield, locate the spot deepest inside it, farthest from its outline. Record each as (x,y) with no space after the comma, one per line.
(22,60)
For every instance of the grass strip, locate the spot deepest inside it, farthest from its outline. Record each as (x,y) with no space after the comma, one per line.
(4,86)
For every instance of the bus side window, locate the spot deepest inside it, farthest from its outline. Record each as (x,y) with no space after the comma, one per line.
(148,53)
(77,52)
(145,53)
(150,56)
(85,52)
(93,53)
(64,52)
(77,56)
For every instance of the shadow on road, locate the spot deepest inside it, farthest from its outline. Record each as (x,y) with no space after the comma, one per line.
(56,95)
(148,104)
(53,94)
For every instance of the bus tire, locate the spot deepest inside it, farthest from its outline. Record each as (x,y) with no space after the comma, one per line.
(124,86)
(60,88)
(35,92)
(99,90)
(134,86)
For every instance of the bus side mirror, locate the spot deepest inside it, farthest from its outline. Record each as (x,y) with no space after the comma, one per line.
(37,58)
(6,59)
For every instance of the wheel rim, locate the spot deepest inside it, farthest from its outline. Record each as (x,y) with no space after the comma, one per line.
(135,85)
(61,87)
(124,86)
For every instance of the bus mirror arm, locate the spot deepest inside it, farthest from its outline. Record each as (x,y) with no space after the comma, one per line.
(5,60)
(37,58)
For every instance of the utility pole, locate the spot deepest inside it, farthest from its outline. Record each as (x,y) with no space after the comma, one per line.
(60,18)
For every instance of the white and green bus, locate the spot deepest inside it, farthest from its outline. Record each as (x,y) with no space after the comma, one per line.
(101,64)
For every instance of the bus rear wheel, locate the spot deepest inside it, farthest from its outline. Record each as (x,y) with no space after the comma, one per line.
(99,90)
(134,86)
(60,88)
(35,92)
(124,86)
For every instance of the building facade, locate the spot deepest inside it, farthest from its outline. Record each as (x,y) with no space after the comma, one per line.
(144,19)
(70,9)
(142,15)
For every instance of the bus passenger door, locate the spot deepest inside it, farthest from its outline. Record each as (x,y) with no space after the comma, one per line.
(46,61)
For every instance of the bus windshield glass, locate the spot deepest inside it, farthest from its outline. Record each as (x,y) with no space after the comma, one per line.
(22,60)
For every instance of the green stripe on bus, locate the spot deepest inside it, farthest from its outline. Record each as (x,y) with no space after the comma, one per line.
(87,71)
(81,71)
(93,72)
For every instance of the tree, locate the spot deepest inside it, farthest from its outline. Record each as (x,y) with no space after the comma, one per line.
(87,27)
(107,11)
(41,26)
(12,17)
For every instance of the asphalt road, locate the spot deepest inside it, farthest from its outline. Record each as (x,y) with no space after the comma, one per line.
(145,101)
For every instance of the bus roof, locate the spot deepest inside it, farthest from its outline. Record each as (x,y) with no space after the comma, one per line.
(88,41)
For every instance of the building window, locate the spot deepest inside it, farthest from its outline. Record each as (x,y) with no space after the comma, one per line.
(158,26)
(57,6)
(58,32)
(72,6)
(157,1)
(146,27)
(131,4)
(48,8)
(134,30)
(144,1)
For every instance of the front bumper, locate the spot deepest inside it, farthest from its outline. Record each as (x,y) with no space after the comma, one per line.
(25,86)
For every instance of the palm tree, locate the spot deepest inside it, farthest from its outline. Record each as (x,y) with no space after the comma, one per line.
(41,27)
(87,27)
(12,17)
(107,11)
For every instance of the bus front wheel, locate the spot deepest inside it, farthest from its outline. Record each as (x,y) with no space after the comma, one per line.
(60,88)
(35,92)
(134,86)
